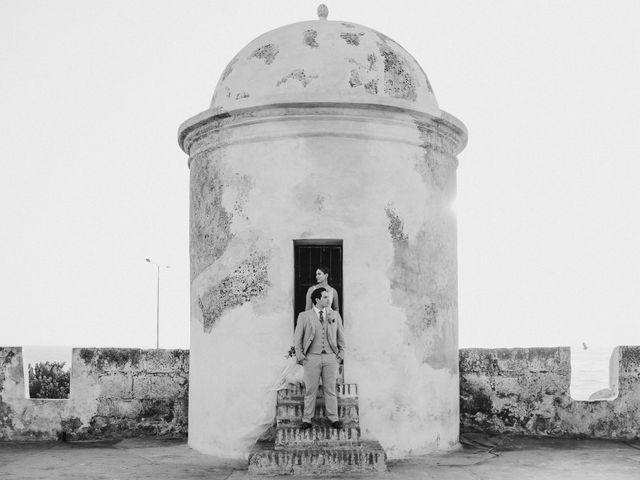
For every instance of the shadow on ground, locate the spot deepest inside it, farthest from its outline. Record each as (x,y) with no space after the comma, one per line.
(479,457)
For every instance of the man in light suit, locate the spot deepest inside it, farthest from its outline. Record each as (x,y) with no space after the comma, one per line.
(319,343)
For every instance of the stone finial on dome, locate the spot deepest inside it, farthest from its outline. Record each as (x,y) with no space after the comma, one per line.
(323,11)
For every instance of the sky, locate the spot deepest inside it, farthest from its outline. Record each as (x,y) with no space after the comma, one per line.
(92,180)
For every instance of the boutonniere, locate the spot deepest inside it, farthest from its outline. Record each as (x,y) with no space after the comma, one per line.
(331,316)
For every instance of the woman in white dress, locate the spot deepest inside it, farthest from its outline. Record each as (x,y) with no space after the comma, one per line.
(322,277)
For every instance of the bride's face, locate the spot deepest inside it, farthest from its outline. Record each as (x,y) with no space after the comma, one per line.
(321,276)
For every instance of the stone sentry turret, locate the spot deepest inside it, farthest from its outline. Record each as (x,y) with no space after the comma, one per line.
(324,130)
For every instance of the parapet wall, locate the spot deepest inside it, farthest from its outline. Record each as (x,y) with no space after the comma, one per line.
(118,393)
(115,393)
(525,391)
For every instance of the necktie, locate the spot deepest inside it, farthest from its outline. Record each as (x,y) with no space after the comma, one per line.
(321,316)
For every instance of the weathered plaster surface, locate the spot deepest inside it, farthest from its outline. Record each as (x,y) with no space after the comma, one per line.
(115,393)
(399,80)
(118,393)
(526,391)
(354,79)
(210,230)
(267,53)
(229,68)
(309,38)
(320,57)
(248,280)
(140,392)
(438,152)
(342,172)
(352,38)
(299,75)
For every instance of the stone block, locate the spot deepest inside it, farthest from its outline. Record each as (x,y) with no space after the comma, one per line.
(162,408)
(157,386)
(317,435)
(181,410)
(296,392)
(507,386)
(175,362)
(291,412)
(121,408)
(366,458)
(116,386)
(628,369)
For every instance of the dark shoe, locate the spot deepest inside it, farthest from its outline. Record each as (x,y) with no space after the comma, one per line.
(305,426)
(337,424)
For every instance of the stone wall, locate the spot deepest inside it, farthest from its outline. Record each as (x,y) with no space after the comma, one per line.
(525,391)
(115,393)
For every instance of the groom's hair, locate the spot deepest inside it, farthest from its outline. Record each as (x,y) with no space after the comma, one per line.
(317,294)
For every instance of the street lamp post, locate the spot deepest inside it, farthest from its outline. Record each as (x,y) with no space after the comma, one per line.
(158,265)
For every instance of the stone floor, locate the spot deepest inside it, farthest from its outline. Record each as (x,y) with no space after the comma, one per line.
(478,458)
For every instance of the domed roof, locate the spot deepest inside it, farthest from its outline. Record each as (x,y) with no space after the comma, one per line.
(324,61)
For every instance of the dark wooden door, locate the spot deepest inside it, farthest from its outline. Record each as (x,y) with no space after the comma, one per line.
(309,255)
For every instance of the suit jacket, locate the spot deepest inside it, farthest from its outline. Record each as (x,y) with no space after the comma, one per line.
(306,331)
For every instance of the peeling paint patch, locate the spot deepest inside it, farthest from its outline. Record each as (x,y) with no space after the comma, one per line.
(398,78)
(430,318)
(362,74)
(228,69)
(299,75)
(431,171)
(6,418)
(210,222)
(243,184)
(352,38)
(249,280)
(423,290)
(372,86)
(396,225)
(372,59)
(242,95)
(354,79)
(266,52)
(309,38)
(8,358)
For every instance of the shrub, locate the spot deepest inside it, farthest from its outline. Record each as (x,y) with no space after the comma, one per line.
(49,380)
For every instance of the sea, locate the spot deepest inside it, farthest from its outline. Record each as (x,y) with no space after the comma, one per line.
(589,366)
(589,370)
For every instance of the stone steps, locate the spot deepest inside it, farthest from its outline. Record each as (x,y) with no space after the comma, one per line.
(290,412)
(320,449)
(317,435)
(295,392)
(366,457)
